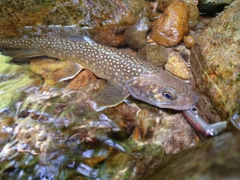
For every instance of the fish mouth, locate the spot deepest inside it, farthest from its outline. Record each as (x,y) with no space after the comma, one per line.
(179,107)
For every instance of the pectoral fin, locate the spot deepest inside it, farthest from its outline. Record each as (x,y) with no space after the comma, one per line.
(109,96)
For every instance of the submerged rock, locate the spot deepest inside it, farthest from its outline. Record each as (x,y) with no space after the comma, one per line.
(104,21)
(216,66)
(54,71)
(155,54)
(82,80)
(216,158)
(171,27)
(136,36)
(177,66)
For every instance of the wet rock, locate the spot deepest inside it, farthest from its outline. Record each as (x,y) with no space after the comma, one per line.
(153,14)
(54,71)
(136,36)
(82,80)
(193,15)
(170,28)
(216,158)
(163,4)
(155,54)
(182,136)
(189,41)
(103,21)
(110,35)
(192,5)
(117,163)
(177,66)
(215,64)
(164,132)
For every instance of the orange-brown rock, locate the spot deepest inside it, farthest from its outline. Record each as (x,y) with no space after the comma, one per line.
(171,27)
(163,4)
(82,80)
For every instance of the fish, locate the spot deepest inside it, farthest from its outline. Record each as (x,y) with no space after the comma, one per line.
(124,73)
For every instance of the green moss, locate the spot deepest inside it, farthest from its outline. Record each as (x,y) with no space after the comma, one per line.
(154,151)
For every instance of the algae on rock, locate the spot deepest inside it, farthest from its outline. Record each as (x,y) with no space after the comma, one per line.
(217,57)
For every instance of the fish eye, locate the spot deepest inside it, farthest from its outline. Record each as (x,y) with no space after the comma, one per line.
(169,93)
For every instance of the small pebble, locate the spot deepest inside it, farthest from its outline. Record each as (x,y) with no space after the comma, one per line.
(189,41)
(157,55)
(177,66)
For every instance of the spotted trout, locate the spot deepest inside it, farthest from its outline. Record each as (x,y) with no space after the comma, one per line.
(125,74)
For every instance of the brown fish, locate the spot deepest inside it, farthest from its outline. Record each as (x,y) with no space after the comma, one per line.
(125,74)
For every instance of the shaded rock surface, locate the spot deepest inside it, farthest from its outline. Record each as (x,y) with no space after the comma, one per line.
(38,18)
(193,14)
(155,54)
(212,7)
(216,158)
(136,35)
(216,66)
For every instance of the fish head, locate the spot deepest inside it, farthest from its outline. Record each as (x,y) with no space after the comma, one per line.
(162,90)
